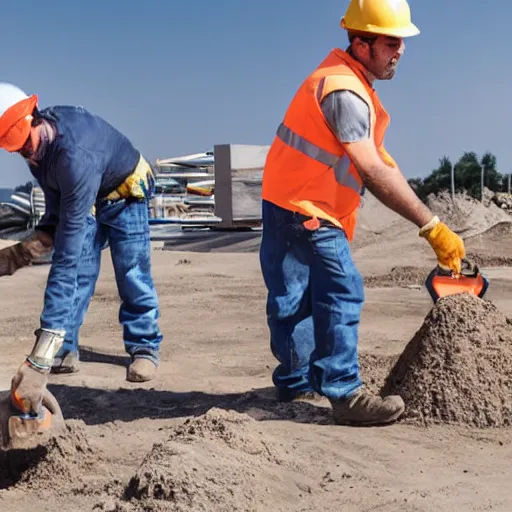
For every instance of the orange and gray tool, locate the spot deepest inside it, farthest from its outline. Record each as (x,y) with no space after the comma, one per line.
(17,426)
(441,283)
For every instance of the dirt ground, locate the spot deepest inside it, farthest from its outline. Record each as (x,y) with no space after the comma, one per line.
(208,435)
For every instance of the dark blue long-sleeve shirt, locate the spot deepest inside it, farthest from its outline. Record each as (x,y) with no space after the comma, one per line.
(86,161)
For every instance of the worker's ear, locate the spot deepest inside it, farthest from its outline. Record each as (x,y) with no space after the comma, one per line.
(362,45)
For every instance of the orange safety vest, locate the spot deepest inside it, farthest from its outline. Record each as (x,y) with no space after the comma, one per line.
(307,169)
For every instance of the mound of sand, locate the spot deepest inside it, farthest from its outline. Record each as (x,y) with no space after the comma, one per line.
(374,217)
(374,220)
(458,366)
(381,231)
(219,461)
(54,464)
(374,369)
(493,248)
(489,260)
(466,215)
(402,276)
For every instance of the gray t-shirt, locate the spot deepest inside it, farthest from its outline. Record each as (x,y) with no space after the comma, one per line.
(348,115)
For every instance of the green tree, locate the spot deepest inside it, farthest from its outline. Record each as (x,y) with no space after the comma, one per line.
(493,179)
(418,186)
(438,180)
(467,173)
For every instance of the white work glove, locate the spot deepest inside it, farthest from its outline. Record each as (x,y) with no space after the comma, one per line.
(27,388)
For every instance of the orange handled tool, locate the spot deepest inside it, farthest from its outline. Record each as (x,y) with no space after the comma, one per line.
(441,282)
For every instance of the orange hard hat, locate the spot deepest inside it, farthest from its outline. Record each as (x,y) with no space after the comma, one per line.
(15,116)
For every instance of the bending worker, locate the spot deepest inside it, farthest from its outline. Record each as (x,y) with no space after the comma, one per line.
(96,187)
(328,148)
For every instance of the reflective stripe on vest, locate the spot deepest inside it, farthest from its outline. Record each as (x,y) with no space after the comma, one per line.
(340,165)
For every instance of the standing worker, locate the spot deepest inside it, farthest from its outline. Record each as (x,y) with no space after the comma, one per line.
(96,187)
(328,148)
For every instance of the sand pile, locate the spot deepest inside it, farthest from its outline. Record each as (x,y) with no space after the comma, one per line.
(489,260)
(492,248)
(466,215)
(458,366)
(374,369)
(374,221)
(219,461)
(401,276)
(381,231)
(58,462)
(375,217)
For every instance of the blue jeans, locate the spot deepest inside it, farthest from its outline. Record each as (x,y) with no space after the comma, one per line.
(314,302)
(123,225)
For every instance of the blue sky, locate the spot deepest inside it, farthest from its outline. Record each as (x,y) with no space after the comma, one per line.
(179,77)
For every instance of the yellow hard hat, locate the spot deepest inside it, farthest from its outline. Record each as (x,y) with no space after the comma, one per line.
(382,17)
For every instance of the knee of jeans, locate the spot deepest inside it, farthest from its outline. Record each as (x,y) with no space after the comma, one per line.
(350,289)
(285,306)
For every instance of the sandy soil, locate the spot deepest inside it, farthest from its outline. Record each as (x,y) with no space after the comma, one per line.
(208,434)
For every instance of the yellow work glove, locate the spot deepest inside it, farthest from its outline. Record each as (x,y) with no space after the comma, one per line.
(139,184)
(447,245)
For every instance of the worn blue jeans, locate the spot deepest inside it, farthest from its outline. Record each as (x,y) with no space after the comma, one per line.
(314,302)
(123,226)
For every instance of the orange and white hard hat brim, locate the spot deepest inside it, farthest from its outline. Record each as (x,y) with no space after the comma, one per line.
(15,124)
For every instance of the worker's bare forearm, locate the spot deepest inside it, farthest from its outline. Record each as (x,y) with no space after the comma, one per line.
(390,187)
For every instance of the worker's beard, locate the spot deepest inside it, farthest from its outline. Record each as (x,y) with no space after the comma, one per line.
(380,72)
(47,133)
(27,151)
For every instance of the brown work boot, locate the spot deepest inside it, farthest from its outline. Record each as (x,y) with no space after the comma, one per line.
(363,408)
(69,363)
(141,370)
